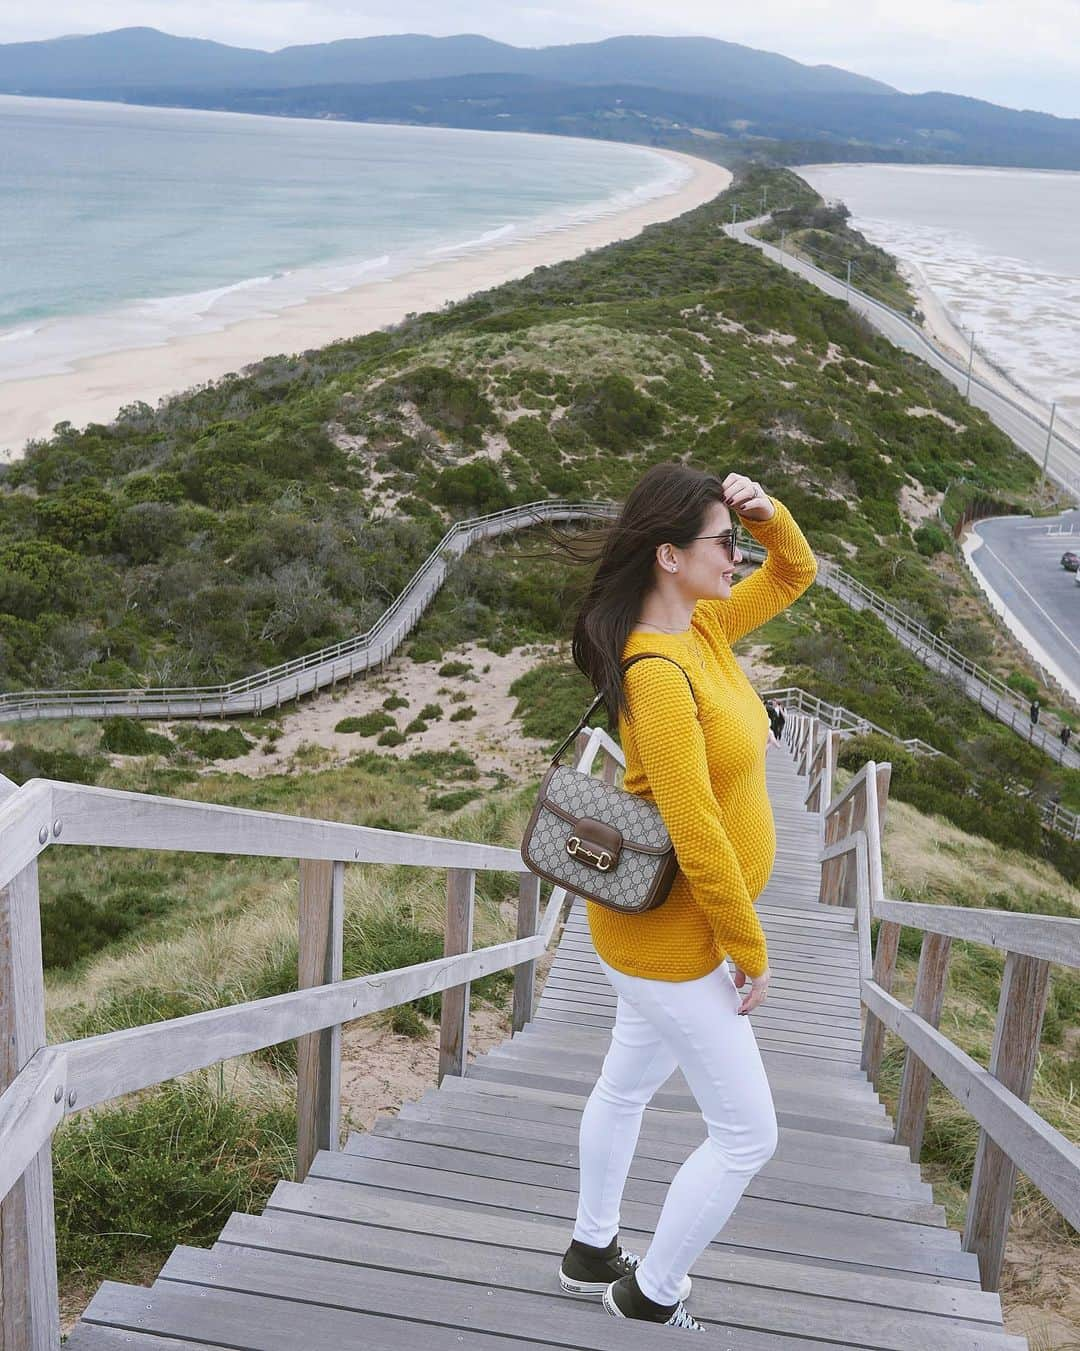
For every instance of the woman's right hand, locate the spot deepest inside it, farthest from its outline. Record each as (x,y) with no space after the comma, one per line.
(759,986)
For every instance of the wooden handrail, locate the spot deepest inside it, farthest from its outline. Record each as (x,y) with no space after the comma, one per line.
(1012,1135)
(39,1084)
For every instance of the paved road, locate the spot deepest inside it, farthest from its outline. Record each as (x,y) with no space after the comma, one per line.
(1019,560)
(1025,430)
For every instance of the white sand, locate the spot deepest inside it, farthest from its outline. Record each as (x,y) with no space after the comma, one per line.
(940,328)
(101,385)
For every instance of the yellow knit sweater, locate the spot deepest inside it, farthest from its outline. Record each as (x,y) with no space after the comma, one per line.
(704,768)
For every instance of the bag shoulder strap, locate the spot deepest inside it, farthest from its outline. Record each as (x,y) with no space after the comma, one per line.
(640,656)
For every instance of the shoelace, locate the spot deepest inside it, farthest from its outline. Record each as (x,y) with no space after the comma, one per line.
(681,1319)
(626,1261)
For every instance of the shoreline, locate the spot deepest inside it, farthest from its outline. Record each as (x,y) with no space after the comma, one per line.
(938,323)
(98,386)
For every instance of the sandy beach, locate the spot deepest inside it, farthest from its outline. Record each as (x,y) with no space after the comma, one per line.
(99,386)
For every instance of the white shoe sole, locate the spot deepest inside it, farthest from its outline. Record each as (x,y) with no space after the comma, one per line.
(594,1288)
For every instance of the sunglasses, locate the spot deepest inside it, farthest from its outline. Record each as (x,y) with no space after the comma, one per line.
(730,537)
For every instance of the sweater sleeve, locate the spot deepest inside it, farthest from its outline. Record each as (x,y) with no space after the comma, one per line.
(671,747)
(786,573)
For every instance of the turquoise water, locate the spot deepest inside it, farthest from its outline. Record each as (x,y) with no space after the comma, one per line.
(127,226)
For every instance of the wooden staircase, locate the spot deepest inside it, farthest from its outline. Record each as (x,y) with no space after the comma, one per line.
(444,1227)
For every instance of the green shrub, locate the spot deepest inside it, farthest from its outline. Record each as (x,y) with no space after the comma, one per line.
(476,486)
(463,714)
(214,743)
(450,802)
(391,737)
(612,412)
(417,725)
(431,712)
(393,701)
(454,668)
(367,724)
(425,649)
(23,762)
(931,539)
(127,736)
(1029,688)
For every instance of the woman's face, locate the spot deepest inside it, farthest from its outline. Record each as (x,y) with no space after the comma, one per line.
(706,568)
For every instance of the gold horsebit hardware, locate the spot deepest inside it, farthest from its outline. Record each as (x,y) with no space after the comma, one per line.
(575,848)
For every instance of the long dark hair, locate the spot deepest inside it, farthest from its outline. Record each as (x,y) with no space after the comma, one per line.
(666,505)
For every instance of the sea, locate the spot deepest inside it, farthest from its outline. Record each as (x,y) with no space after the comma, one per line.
(1000,248)
(126,227)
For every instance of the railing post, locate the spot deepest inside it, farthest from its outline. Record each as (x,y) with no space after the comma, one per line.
(30,1313)
(915,1084)
(528,914)
(888,943)
(453,1033)
(318,1059)
(1017,1034)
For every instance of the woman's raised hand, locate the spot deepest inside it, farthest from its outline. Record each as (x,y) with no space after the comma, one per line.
(747,497)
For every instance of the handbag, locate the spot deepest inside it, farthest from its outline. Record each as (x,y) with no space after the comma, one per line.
(596,840)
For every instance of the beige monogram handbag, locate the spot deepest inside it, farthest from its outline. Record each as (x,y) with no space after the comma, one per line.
(596,840)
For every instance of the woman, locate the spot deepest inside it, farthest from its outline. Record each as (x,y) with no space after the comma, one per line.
(664,584)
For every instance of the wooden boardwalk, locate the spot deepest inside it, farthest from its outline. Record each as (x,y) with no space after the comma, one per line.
(443,1228)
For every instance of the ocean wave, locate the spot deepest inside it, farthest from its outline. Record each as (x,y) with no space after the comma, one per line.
(488,237)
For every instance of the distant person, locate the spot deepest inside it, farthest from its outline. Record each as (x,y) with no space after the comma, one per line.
(1065,734)
(776,717)
(663,585)
(1033,712)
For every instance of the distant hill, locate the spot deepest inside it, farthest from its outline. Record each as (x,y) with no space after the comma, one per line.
(144,57)
(697,94)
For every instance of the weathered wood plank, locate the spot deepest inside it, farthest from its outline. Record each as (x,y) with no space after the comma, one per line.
(734,1305)
(928,1002)
(461,1306)
(528,910)
(30,1316)
(1046,937)
(772,1227)
(457,938)
(1050,1160)
(654,1160)
(539,1233)
(321,919)
(1013,1057)
(251,1323)
(563,1174)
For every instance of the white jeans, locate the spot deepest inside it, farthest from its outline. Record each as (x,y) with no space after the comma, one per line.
(695,1025)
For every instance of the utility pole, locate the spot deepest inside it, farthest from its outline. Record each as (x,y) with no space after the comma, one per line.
(971,362)
(764,198)
(1049,436)
(847,286)
(782,233)
(734,211)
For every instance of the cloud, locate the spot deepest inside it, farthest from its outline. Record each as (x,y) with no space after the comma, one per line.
(992,49)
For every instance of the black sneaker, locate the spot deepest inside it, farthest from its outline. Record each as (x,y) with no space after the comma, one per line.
(624,1299)
(589,1271)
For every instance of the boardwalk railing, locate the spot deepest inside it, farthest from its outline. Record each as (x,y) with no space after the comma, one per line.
(42,1083)
(845,723)
(1012,1135)
(304,675)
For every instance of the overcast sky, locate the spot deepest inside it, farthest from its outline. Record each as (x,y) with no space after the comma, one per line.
(1025,55)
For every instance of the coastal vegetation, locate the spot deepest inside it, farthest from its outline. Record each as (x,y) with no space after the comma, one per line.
(284,507)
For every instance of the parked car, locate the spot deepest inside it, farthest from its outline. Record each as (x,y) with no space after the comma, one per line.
(1070,561)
